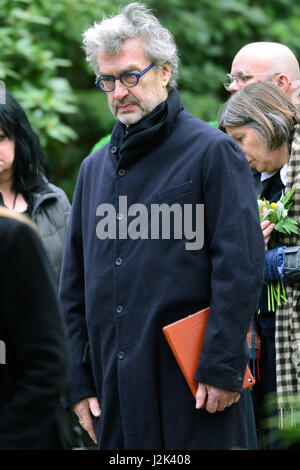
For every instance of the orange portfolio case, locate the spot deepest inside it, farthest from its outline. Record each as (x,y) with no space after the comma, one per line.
(185,338)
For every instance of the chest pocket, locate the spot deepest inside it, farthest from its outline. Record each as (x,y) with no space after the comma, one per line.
(178,192)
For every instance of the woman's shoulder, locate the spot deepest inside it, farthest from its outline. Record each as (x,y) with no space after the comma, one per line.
(59,192)
(49,191)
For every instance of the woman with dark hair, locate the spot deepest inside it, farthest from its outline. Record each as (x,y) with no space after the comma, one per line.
(265,123)
(23,184)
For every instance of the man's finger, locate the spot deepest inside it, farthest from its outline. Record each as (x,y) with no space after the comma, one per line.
(236,397)
(212,403)
(222,404)
(94,406)
(83,409)
(201,396)
(87,423)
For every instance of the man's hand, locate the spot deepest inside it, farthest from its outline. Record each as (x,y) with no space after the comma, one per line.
(215,399)
(267,229)
(83,410)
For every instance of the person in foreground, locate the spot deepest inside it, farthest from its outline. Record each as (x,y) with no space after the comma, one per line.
(23,184)
(34,356)
(125,276)
(263,120)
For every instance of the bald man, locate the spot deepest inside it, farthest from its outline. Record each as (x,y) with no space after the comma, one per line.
(265,61)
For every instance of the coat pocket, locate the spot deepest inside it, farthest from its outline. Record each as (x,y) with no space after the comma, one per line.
(175,191)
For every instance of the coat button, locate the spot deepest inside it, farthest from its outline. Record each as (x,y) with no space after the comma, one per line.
(121,355)
(114,149)
(118,261)
(119,308)
(240,377)
(121,172)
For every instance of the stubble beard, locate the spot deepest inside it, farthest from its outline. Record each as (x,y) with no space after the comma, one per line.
(131,117)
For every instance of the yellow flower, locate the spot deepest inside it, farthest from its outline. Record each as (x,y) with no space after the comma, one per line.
(273,204)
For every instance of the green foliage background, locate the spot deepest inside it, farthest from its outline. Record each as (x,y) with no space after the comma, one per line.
(44,67)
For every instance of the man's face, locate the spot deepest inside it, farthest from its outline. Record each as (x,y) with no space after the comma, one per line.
(130,105)
(248,70)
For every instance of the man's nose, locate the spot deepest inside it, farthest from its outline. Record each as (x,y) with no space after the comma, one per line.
(120,90)
(234,87)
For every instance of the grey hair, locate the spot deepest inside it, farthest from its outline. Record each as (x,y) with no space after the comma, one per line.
(265,108)
(133,21)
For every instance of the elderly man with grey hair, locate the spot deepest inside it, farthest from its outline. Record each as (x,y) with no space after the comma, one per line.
(126,273)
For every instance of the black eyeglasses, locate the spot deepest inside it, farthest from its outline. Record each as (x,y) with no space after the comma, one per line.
(242,77)
(128,79)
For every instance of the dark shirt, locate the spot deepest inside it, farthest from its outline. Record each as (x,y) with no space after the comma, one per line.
(271,190)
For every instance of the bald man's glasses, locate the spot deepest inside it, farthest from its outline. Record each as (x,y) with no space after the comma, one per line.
(242,77)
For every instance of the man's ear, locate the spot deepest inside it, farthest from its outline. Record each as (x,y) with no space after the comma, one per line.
(282,81)
(165,73)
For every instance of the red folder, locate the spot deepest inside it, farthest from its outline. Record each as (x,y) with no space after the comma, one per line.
(185,338)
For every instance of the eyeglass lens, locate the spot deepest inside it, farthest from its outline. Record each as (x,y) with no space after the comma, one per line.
(127,79)
(228,79)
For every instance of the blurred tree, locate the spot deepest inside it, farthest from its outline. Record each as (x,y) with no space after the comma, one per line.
(41,64)
(44,67)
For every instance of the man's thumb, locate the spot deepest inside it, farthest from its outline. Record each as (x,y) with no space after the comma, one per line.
(94,406)
(201,396)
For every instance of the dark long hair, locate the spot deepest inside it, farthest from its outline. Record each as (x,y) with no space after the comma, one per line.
(29,162)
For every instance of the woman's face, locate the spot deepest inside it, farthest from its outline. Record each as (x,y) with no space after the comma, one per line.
(7,156)
(256,150)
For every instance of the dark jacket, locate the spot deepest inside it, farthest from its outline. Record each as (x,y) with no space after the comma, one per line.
(117,294)
(50,211)
(33,369)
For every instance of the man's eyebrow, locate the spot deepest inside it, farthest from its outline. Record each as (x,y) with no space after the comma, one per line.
(129,68)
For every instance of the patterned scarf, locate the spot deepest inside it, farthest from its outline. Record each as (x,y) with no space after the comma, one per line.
(287,320)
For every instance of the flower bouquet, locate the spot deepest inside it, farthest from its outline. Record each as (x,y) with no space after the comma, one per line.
(277,213)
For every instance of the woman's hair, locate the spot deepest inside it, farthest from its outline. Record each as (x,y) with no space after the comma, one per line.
(29,163)
(132,22)
(265,108)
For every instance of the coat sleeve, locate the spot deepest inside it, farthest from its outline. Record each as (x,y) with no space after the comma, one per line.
(37,354)
(72,299)
(236,245)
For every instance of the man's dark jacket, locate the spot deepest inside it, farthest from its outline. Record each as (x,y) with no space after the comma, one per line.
(117,294)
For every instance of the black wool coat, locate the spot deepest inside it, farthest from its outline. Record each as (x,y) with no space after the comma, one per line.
(117,294)
(34,354)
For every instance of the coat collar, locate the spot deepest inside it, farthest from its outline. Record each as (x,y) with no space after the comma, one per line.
(148,133)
